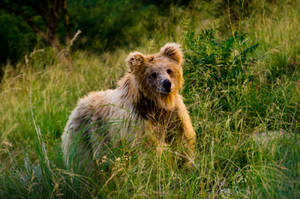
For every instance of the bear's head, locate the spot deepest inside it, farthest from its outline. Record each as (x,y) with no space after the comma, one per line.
(158,76)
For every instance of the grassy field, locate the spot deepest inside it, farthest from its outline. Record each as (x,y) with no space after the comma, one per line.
(242,91)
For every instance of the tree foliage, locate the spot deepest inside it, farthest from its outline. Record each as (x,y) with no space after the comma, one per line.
(44,18)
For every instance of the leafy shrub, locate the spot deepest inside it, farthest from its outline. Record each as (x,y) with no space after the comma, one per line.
(217,66)
(220,71)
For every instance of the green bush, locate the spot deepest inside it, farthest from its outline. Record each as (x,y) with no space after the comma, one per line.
(223,71)
(218,66)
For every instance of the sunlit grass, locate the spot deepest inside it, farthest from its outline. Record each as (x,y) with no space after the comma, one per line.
(248,150)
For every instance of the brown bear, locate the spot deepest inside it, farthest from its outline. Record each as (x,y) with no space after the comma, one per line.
(145,103)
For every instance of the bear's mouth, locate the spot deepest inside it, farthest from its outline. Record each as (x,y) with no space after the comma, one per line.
(164,91)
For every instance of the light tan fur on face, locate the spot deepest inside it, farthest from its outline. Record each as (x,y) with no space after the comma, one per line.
(140,103)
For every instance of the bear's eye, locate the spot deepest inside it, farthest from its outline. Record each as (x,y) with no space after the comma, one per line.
(169,71)
(154,75)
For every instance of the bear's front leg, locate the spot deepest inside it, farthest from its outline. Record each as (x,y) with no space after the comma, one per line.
(188,135)
(156,135)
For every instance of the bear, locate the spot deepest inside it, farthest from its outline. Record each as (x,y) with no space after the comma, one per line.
(146,103)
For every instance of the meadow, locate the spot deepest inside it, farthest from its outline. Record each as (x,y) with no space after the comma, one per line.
(242,89)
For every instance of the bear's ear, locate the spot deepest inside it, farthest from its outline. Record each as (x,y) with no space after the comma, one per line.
(134,60)
(173,51)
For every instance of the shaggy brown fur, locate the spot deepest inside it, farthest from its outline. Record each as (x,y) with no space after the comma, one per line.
(147,101)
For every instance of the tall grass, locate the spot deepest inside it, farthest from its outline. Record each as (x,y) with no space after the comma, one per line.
(245,110)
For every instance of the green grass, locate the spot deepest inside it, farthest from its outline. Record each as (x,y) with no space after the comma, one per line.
(247,124)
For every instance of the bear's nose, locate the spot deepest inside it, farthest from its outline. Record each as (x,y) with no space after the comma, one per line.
(167,85)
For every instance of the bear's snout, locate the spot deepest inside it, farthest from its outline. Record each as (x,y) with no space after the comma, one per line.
(166,84)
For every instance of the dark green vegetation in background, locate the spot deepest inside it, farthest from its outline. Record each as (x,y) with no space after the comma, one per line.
(16,38)
(241,87)
(106,25)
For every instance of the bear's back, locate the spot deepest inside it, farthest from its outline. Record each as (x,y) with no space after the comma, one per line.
(101,115)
